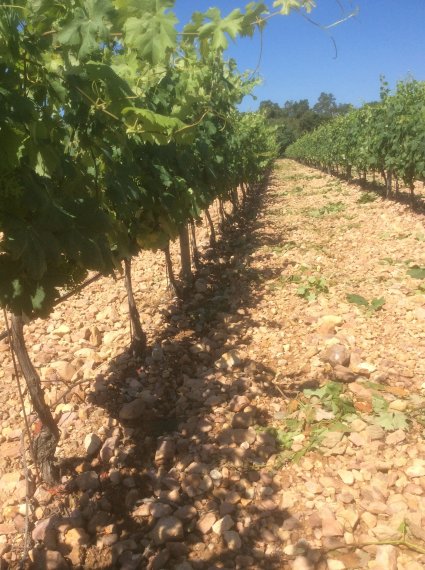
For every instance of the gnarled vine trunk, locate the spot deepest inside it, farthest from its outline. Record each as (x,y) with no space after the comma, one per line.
(47,436)
(211,226)
(170,271)
(186,266)
(195,250)
(138,337)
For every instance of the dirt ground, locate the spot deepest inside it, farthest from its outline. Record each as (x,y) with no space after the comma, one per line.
(277,420)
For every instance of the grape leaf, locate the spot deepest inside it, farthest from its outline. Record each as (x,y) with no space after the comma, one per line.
(357,300)
(152,37)
(219,28)
(391,421)
(417,272)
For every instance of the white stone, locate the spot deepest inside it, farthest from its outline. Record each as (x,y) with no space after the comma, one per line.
(92,443)
(417,469)
(223,524)
(347,477)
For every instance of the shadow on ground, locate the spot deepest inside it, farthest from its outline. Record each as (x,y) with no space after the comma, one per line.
(197,452)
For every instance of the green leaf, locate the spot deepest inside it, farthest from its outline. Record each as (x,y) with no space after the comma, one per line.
(379,404)
(86,27)
(357,300)
(38,298)
(339,426)
(287,6)
(391,421)
(154,37)
(377,304)
(151,126)
(219,28)
(417,272)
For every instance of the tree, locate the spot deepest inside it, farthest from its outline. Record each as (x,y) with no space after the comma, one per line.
(326,105)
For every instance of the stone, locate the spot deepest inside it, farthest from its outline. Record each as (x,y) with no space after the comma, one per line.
(133,410)
(167,529)
(223,524)
(369,519)
(243,420)
(301,563)
(157,354)
(351,517)
(9,483)
(165,451)
(395,437)
(365,369)
(327,324)
(206,522)
(232,539)
(157,562)
(76,537)
(238,403)
(375,432)
(332,439)
(42,496)
(229,360)
(416,469)
(64,369)
(183,566)
(344,374)
(386,557)
(108,448)
(62,330)
(160,510)
(330,526)
(237,436)
(87,481)
(360,391)
(92,443)
(337,354)
(346,476)
(398,405)
(334,564)
(46,531)
(98,522)
(50,560)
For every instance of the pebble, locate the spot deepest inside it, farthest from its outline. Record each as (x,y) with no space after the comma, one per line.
(223,524)
(232,539)
(167,529)
(133,410)
(330,526)
(344,374)
(386,557)
(206,523)
(89,480)
(398,405)
(395,437)
(416,469)
(346,476)
(337,354)
(92,443)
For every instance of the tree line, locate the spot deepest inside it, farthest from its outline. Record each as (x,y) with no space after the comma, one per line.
(295,118)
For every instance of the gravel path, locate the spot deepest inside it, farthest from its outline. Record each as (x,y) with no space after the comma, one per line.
(276,423)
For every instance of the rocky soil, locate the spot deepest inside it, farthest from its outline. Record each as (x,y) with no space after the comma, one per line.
(275,424)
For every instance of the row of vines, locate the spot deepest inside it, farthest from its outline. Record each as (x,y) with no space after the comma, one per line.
(387,137)
(118,128)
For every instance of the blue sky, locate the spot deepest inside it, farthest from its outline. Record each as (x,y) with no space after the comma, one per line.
(299,61)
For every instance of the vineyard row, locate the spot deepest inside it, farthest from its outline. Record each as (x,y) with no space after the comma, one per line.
(387,137)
